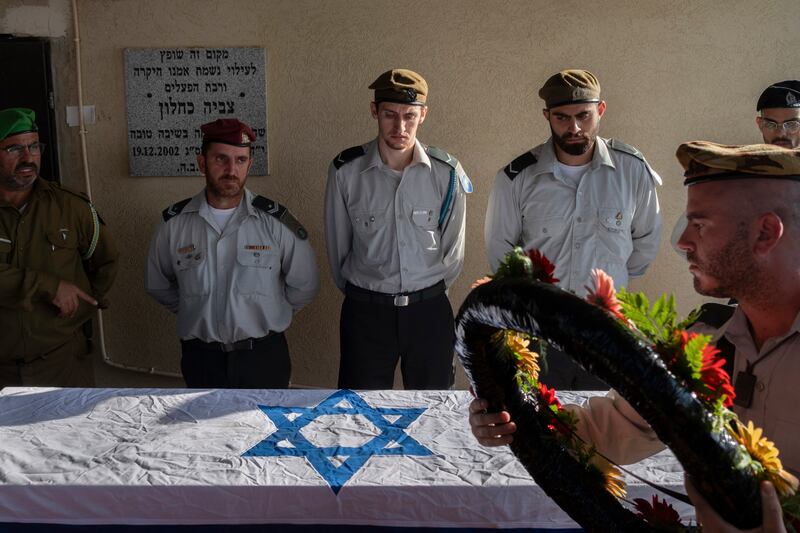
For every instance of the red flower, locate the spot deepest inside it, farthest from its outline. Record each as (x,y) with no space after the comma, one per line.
(549,396)
(714,376)
(542,267)
(660,514)
(603,295)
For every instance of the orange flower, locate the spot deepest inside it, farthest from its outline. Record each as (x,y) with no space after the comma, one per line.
(714,376)
(612,475)
(527,361)
(603,295)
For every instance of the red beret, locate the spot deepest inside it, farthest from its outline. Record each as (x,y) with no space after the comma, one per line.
(228,131)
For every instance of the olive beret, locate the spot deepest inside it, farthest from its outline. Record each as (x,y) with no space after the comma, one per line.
(228,131)
(570,87)
(401,86)
(782,94)
(16,120)
(707,161)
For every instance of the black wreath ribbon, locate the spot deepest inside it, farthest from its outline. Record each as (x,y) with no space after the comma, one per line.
(608,350)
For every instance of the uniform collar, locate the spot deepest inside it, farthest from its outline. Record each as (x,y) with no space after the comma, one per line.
(374,156)
(547,157)
(199,203)
(737,330)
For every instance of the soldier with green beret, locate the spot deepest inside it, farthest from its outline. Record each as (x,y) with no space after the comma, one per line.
(57,263)
(779,120)
(394,224)
(584,201)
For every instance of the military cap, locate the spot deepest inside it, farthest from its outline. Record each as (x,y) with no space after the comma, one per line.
(228,131)
(570,87)
(707,161)
(781,94)
(16,120)
(401,86)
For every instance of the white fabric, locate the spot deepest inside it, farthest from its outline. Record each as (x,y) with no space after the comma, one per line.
(148,456)
(221,216)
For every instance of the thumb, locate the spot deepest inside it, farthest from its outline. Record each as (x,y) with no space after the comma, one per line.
(86,298)
(771,508)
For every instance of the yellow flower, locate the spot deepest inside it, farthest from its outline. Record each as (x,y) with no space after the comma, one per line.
(527,361)
(479,282)
(614,483)
(765,452)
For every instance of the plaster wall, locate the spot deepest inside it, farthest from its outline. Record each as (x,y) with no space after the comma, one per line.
(670,72)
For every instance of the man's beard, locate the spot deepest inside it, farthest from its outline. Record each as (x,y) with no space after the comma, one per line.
(732,267)
(14,182)
(224,186)
(573,148)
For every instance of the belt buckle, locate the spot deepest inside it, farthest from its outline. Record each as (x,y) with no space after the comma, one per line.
(400,300)
(228,347)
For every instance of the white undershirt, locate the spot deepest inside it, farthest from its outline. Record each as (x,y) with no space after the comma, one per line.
(572,174)
(221,216)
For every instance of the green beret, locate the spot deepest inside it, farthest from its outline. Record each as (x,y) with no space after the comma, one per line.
(16,120)
(228,131)
(401,86)
(707,161)
(570,87)
(781,94)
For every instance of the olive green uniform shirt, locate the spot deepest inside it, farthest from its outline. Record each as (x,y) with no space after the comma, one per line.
(56,236)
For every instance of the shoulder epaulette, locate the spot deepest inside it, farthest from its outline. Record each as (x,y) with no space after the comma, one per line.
(348,155)
(626,148)
(714,314)
(278,211)
(174,209)
(79,194)
(519,164)
(442,156)
(96,220)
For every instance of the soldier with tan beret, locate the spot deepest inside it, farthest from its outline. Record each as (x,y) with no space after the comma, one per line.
(57,262)
(394,225)
(742,240)
(584,201)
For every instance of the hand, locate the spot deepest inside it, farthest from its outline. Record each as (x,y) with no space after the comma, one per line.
(713,523)
(490,429)
(67,299)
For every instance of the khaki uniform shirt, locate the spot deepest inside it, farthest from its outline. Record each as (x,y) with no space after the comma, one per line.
(244,282)
(382,230)
(610,221)
(57,236)
(621,434)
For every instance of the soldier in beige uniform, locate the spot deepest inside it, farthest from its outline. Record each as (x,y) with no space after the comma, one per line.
(584,201)
(235,267)
(57,263)
(394,227)
(742,240)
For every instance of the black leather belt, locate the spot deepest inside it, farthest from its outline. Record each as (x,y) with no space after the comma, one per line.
(397,300)
(246,344)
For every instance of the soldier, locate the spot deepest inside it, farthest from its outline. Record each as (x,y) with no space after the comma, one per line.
(57,262)
(234,267)
(584,201)
(779,122)
(394,225)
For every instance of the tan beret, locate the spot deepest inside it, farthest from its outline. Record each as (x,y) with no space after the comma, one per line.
(401,86)
(570,87)
(708,161)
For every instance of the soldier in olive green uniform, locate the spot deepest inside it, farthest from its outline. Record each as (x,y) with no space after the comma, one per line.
(56,265)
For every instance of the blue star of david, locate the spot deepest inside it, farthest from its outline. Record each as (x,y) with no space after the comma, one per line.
(392,439)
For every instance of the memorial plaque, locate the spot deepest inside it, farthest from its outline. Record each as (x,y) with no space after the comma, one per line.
(171,92)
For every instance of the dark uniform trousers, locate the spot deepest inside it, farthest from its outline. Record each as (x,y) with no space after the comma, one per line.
(262,363)
(375,332)
(69,365)
(561,372)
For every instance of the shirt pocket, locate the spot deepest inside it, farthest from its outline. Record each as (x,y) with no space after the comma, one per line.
(370,243)
(63,249)
(5,250)
(426,227)
(537,231)
(614,220)
(190,268)
(257,272)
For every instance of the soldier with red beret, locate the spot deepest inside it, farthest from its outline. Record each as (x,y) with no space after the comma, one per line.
(234,267)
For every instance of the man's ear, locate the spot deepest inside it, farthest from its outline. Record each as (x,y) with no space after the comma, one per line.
(373,107)
(201,163)
(423,112)
(770,230)
(601,108)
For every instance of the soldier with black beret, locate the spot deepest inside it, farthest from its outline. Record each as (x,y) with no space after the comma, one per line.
(779,121)
(57,262)
(234,267)
(394,226)
(584,201)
